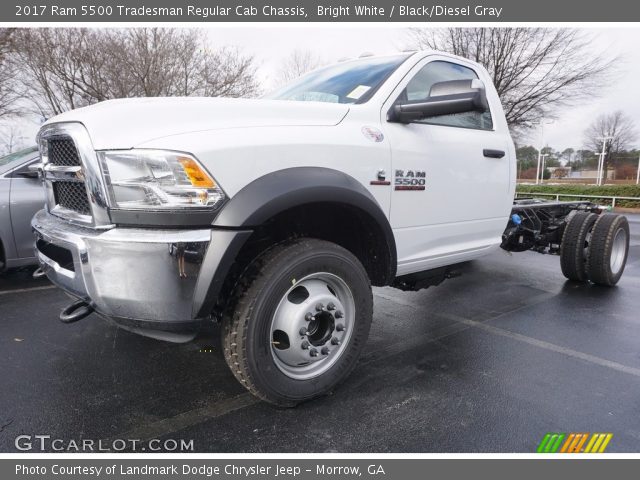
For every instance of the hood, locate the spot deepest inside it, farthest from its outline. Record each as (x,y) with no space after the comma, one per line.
(126,123)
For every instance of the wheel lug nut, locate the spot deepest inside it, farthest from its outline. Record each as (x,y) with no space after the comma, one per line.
(313,352)
(319,307)
(339,314)
(303,331)
(340,327)
(308,316)
(305,345)
(331,306)
(325,350)
(335,341)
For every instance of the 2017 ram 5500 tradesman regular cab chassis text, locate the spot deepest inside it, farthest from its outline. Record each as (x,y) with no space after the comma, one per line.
(277,215)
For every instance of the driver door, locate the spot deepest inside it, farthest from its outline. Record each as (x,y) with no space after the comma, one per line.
(450,201)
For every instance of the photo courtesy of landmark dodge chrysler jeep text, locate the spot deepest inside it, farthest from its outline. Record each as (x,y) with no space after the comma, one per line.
(275,216)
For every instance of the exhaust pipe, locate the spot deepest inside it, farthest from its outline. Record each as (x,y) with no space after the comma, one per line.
(75,312)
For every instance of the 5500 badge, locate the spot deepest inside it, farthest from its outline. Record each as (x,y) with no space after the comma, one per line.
(410,180)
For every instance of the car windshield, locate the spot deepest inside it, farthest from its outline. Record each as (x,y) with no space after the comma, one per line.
(348,82)
(17,157)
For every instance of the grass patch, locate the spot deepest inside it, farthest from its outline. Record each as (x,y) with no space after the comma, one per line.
(605,190)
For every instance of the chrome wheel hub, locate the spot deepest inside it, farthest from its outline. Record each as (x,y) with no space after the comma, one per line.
(312,325)
(618,251)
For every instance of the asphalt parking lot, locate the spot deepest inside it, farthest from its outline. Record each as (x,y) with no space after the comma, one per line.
(488,362)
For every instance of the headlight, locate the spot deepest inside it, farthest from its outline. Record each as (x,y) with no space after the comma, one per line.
(158,179)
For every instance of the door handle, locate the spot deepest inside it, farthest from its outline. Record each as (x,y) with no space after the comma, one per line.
(487,152)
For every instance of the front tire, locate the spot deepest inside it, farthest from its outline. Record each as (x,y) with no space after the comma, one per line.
(298,320)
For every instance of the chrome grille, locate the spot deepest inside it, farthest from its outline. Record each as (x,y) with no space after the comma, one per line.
(69,194)
(63,152)
(73,182)
(72,195)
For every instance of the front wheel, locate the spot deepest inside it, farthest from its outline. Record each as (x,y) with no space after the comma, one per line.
(298,321)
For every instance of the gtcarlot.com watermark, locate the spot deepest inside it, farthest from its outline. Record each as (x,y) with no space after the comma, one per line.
(46,443)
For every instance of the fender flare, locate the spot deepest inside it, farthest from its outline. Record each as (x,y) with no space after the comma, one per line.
(270,195)
(278,191)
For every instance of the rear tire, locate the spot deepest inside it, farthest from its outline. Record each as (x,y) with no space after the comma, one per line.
(305,284)
(608,250)
(575,245)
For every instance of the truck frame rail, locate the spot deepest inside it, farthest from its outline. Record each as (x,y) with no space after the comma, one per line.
(538,225)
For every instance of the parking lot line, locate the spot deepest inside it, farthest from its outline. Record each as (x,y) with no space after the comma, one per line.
(183,420)
(546,345)
(219,408)
(415,341)
(526,302)
(22,290)
(523,338)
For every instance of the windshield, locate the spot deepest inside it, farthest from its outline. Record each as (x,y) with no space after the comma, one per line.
(348,82)
(17,157)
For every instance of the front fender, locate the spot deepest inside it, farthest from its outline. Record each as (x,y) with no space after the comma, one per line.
(278,191)
(270,195)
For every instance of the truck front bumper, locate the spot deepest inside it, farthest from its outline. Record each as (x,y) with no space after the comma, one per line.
(148,281)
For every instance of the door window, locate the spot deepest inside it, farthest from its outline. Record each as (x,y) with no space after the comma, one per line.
(417,90)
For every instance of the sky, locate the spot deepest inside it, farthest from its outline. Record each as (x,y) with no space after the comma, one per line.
(270,44)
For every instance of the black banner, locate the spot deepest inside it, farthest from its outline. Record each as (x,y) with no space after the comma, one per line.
(483,11)
(315,469)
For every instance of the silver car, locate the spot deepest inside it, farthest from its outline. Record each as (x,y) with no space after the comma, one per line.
(21,196)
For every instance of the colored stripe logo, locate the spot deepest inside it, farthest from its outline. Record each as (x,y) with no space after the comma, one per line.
(574,443)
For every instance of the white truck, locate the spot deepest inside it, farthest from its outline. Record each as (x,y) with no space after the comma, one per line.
(275,216)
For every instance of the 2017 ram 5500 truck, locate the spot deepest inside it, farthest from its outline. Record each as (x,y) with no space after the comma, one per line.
(276,215)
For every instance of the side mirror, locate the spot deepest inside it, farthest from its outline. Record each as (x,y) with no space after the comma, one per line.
(445,98)
(32,171)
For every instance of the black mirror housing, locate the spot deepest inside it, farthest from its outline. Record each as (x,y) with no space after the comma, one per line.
(33,170)
(445,98)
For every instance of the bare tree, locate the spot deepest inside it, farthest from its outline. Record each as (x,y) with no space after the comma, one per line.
(8,93)
(69,68)
(227,73)
(296,64)
(535,70)
(11,139)
(616,129)
(49,62)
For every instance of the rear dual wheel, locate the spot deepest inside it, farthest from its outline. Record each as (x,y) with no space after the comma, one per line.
(595,248)
(575,246)
(608,250)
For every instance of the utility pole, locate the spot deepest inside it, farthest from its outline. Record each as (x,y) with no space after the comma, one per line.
(638,174)
(542,157)
(599,179)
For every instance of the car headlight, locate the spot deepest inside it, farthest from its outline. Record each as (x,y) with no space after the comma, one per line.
(158,180)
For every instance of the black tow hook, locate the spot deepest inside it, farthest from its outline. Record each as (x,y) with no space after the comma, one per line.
(76,311)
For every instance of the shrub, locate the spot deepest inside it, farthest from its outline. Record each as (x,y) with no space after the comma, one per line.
(605,190)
